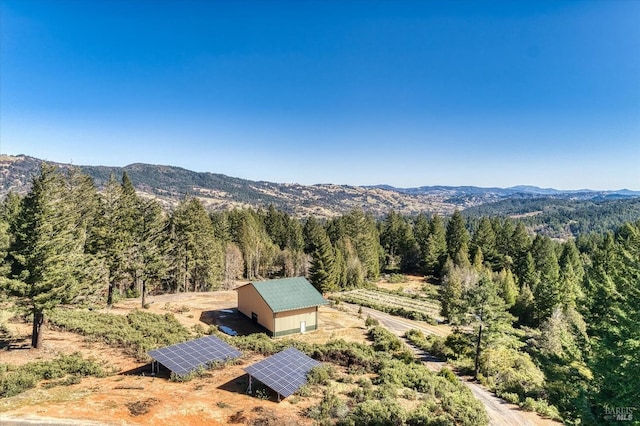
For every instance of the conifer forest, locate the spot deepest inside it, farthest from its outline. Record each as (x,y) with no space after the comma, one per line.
(547,323)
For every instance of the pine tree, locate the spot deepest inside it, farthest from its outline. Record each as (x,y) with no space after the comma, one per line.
(197,256)
(421,234)
(390,235)
(547,292)
(451,303)
(457,235)
(489,314)
(322,272)
(363,233)
(484,239)
(436,248)
(613,316)
(152,246)
(507,287)
(48,251)
(113,238)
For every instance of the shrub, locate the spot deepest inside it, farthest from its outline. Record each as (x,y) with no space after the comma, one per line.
(509,371)
(385,412)
(384,340)
(331,406)
(448,374)
(19,379)
(321,374)
(397,279)
(542,407)
(138,332)
(371,322)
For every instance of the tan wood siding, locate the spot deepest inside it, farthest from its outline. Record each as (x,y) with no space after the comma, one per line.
(250,301)
(291,320)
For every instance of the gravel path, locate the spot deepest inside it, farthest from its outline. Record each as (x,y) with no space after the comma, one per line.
(500,412)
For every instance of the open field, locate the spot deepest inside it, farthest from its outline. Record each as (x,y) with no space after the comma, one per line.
(133,396)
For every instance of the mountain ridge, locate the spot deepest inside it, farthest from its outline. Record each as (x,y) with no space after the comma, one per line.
(170,184)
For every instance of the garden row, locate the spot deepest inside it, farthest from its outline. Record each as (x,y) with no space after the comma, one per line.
(393,305)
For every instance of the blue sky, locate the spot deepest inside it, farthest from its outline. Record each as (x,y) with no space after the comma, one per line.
(419,93)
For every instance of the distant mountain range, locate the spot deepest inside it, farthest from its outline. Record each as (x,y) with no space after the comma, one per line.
(170,184)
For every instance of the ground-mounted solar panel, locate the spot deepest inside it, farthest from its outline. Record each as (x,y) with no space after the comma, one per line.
(183,358)
(284,372)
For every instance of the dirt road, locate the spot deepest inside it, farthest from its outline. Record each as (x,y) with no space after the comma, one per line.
(500,412)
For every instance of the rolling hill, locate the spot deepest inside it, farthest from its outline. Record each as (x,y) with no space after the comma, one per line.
(218,192)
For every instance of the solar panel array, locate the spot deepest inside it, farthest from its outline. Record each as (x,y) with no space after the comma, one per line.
(182,358)
(284,372)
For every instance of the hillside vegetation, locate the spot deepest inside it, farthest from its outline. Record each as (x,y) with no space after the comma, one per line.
(549,324)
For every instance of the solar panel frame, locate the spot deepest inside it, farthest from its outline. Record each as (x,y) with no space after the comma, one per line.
(183,358)
(284,372)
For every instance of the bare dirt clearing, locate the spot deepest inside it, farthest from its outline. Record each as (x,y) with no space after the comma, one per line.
(135,397)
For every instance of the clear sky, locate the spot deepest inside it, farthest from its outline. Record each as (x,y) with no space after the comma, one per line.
(481,93)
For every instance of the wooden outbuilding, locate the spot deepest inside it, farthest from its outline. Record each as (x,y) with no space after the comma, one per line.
(282,306)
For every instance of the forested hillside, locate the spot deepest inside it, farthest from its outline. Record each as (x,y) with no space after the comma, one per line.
(553,326)
(563,218)
(566,213)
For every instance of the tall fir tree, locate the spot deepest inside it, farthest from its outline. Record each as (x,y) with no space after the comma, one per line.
(197,257)
(457,235)
(322,272)
(436,248)
(48,250)
(613,315)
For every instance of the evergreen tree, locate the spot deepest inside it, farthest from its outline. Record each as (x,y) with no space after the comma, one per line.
(322,272)
(547,292)
(436,248)
(451,302)
(524,306)
(48,250)
(390,235)
(421,234)
(457,236)
(152,247)
(504,231)
(113,237)
(613,300)
(484,239)
(363,233)
(507,287)
(197,258)
(489,314)
(520,242)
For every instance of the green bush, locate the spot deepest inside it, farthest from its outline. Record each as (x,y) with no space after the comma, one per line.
(374,412)
(371,322)
(509,371)
(384,340)
(330,407)
(15,380)
(397,279)
(138,332)
(448,374)
(542,407)
(321,375)
(511,397)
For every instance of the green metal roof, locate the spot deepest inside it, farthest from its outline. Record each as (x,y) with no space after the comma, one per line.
(288,294)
